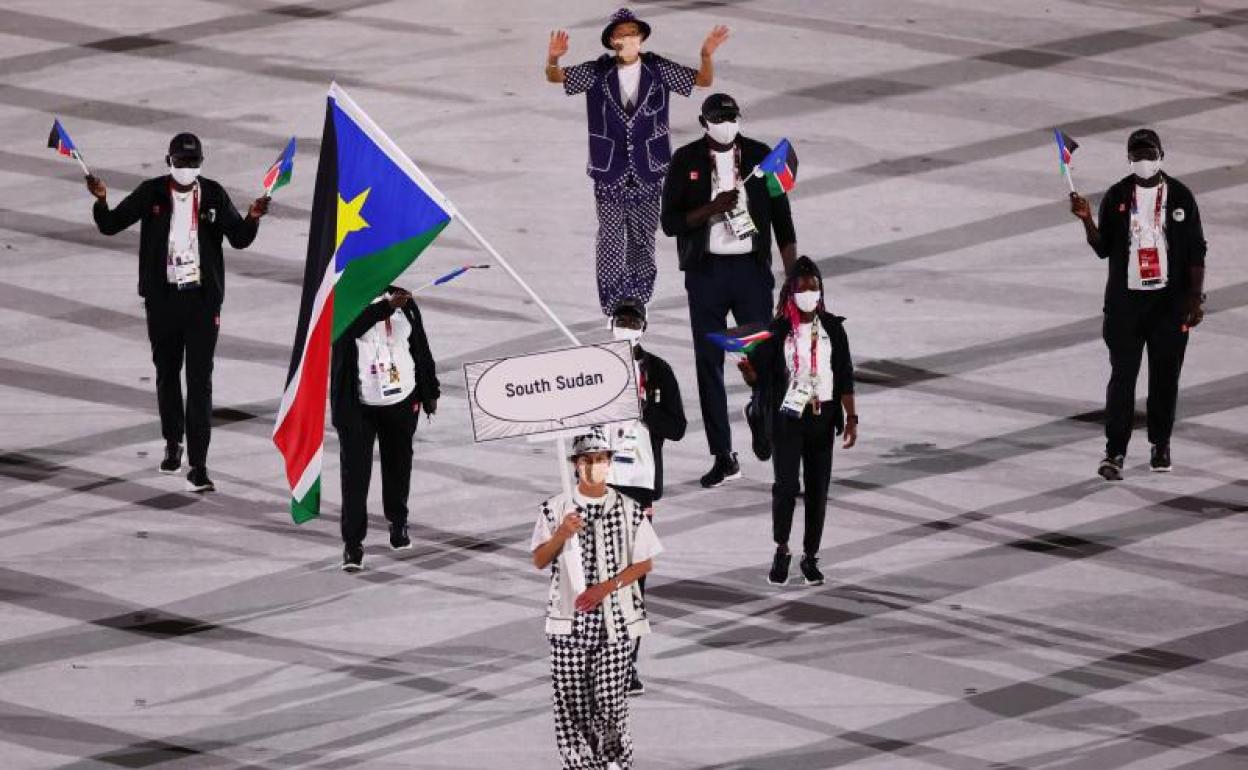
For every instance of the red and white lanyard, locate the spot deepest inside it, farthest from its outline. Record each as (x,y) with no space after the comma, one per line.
(736,169)
(387,343)
(1158,209)
(194,205)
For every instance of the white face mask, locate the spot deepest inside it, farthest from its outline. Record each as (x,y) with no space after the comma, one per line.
(184,176)
(806,301)
(624,334)
(627,47)
(724,133)
(594,474)
(1145,169)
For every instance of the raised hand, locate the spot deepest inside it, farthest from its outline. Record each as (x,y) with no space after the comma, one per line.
(714,39)
(259,207)
(97,187)
(558,44)
(1079,206)
(399,298)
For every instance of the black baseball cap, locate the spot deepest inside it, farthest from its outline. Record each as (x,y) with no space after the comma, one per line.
(720,107)
(630,306)
(1142,138)
(186,145)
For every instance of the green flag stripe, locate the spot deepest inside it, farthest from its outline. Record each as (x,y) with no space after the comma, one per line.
(309,507)
(366,277)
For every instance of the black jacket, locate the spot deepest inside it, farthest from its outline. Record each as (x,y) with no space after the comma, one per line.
(663,412)
(773,371)
(152,205)
(1185,238)
(344,378)
(688,187)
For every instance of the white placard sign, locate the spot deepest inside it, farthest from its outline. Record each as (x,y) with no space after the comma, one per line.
(553,391)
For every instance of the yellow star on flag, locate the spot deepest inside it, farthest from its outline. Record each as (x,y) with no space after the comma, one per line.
(349,218)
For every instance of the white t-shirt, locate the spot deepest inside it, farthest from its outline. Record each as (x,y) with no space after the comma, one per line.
(823,382)
(183,235)
(387,371)
(630,82)
(1148,231)
(633,463)
(722,239)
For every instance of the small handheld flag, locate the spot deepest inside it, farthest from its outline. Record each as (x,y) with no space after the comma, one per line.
(780,167)
(280,172)
(59,140)
(1065,151)
(457,272)
(741,339)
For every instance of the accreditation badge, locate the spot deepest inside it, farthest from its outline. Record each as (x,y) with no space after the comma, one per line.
(185,270)
(1150,265)
(739,219)
(388,381)
(796,399)
(625,444)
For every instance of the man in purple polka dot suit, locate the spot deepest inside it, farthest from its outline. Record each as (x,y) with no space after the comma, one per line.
(626,100)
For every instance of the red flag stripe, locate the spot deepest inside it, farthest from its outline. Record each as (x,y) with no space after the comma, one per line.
(300,434)
(785,178)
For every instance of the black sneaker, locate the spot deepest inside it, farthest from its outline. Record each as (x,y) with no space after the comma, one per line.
(1111,467)
(779,574)
(810,570)
(635,687)
(173,459)
(399,541)
(725,468)
(353,558)
(758,439)
(1160,461)
(197,481)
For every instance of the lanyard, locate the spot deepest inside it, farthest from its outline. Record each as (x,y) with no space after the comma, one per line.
(194,204)
(813,375)
(1157,209)
(736,168)
(387,343)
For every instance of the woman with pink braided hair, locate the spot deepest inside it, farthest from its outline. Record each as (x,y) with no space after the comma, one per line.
(803,376)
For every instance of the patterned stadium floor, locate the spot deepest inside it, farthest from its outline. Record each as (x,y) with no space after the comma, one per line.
(990,604)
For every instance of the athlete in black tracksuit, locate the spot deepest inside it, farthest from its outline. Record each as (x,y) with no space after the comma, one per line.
(1156,319)
(663,414)
(390,427)
(802,438)
(182,321)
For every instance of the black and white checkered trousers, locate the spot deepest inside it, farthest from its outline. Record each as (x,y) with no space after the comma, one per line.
(591,702)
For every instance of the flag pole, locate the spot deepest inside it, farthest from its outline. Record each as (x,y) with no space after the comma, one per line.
(516,277)
(561,444)
(1069,179)
(85,171)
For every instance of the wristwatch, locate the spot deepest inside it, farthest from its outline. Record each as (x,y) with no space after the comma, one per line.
(851,419)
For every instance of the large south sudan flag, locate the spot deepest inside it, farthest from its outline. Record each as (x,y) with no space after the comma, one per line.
(373,213)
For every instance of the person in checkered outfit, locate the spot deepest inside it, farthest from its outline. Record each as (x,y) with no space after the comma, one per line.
(597,544)
(626,98)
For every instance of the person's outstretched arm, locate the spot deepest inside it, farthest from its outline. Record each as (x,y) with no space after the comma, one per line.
(706,72)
